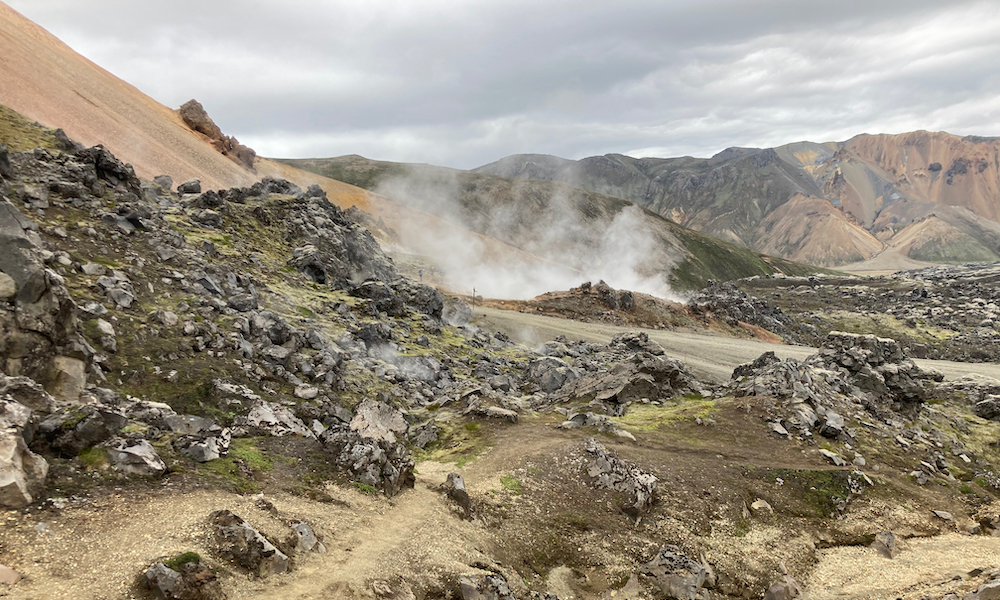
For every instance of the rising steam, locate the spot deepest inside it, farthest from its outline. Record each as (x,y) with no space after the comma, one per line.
(555,240)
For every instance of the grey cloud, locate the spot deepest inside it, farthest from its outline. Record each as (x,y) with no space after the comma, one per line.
(462,84)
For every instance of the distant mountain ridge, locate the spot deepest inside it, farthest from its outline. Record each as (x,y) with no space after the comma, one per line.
(919,196)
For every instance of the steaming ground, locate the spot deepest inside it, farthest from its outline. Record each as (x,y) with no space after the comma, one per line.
(575,245)
(707,356)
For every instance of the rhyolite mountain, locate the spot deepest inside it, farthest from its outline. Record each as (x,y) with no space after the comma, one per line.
(920,196)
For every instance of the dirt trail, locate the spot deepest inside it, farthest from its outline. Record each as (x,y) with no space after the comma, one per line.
(708,356)
(857,572)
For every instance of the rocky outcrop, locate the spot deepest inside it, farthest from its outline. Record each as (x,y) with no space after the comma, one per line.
(39,334)
(728,303)
(643,378)
(336,251)
(195,117)
(850,370)
(381,464)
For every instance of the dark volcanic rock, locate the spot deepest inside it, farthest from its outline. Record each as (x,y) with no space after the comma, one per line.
(678,575)
(615,474)
(337,252)
(245,545)
(384,465)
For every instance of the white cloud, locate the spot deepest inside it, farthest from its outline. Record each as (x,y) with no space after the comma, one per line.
(462,84)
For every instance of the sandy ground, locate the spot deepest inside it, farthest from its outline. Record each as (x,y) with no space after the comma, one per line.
(711,357)
(924,566)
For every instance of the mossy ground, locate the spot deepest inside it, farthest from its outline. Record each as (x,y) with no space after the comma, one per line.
(21,135)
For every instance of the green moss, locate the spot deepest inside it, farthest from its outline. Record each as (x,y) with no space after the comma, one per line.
(511,484)
(364,488)
(966,489)
(818,491)
(95,458)
(245,450)
(178,562)
(20,134)
(649,417)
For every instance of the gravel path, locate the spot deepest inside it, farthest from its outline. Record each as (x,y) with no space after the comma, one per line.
(708,356)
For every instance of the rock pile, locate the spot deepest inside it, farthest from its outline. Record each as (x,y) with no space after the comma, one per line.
(851,371)
(640,374)
(611,473)
(678,575)
(726,302)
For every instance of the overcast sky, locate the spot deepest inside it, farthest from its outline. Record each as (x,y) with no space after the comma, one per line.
(465,83)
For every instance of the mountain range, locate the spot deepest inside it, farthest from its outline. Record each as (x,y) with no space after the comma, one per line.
(892,200)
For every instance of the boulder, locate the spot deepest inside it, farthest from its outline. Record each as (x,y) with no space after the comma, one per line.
(243,302)
(68,379)
(202,439)
(786,589)
(6,170)
(135,457)
(190,581)
(22,472)
(191,186)
(456,312)
(454,487)
(72,430)
(303,539)
(243,544)
(27,392)
(886,544)
(636,341)
(550,374)
(374,420)
(164,181)
(276,420)
(989,408)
